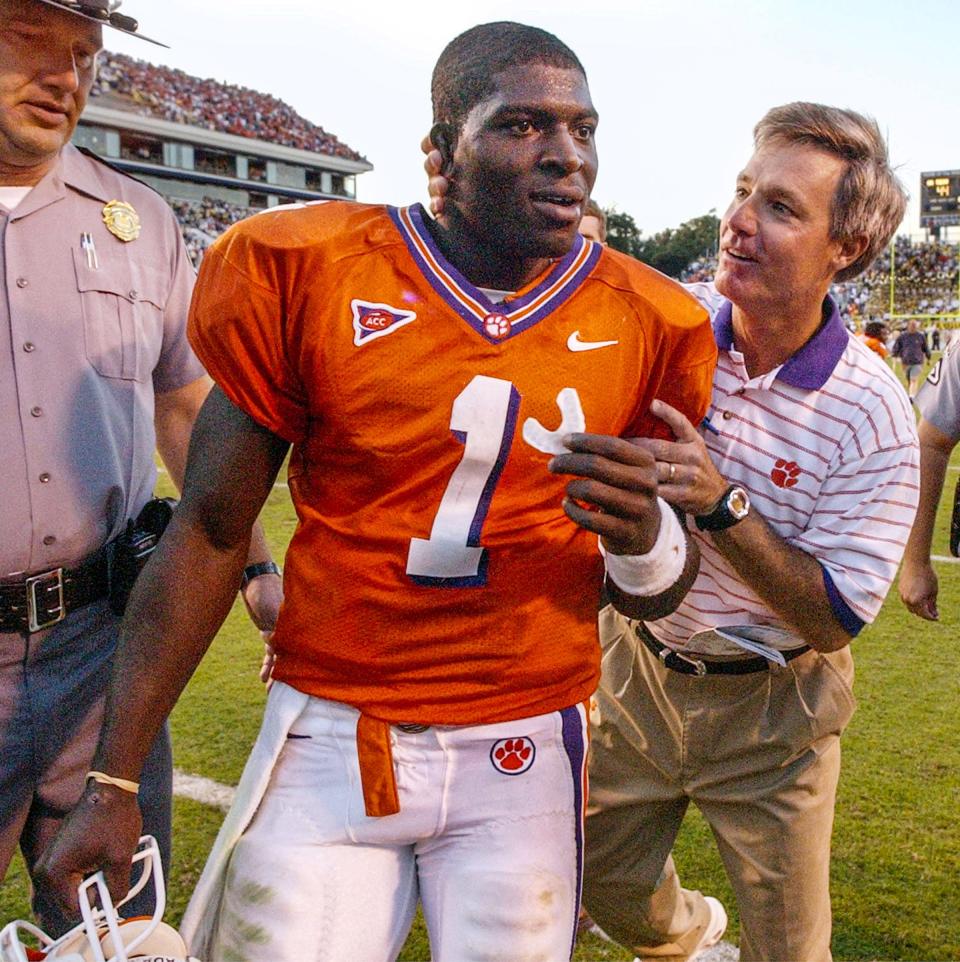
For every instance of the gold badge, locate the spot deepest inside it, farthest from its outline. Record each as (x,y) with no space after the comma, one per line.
(122,220)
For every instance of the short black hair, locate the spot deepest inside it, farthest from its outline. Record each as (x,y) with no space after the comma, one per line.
(465,72)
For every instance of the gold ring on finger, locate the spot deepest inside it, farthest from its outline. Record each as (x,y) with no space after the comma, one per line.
(673,471)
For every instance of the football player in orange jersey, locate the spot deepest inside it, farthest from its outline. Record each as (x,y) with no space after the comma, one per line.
(440,385)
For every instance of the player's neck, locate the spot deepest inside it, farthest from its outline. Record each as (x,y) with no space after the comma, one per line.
(483,262)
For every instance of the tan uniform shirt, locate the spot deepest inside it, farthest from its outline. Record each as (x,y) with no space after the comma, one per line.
(86,340)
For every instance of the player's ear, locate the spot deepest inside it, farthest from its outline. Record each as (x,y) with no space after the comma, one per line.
(443,136)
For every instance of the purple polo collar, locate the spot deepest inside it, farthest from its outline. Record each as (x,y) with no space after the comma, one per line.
(811,366)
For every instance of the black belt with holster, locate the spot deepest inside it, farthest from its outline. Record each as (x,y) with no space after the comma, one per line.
(30,603)
(34,602)
(689,664)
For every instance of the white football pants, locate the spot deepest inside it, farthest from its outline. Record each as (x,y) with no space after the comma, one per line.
(488,837)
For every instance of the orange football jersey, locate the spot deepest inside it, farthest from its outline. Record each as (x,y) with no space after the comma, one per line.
(433,576)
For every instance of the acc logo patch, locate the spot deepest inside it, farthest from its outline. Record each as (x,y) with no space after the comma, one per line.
(371,320)
(785,474)
(513,756)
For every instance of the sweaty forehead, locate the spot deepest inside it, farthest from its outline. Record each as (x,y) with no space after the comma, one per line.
(560,89)
(798,169)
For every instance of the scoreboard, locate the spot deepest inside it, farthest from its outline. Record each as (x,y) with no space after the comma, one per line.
(940,198)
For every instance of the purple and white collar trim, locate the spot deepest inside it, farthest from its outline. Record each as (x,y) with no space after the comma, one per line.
(494,322)
(810,367)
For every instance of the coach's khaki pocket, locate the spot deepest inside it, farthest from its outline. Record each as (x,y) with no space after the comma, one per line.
(824,686)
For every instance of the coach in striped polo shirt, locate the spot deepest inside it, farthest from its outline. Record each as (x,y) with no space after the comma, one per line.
(801,487)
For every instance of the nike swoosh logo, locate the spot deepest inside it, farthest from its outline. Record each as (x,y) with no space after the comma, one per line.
(575,344)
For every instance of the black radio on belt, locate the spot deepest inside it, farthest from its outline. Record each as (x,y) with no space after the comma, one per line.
(132,549)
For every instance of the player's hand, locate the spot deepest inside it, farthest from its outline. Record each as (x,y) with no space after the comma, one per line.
(614,493)
(263,596)
(437,184)
(101,832)
(918,590)
(686,476)
(269,657)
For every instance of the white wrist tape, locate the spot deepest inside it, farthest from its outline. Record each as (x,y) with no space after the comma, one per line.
(651,573)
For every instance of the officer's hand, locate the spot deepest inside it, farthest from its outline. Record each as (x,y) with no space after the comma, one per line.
(263,596)
(101,832)
(614,493)
(686,475)
(437,184)
(918,589)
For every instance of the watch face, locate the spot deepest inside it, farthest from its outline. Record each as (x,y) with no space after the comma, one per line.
(738,503)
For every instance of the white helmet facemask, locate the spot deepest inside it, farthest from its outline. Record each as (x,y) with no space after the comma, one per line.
(103,935)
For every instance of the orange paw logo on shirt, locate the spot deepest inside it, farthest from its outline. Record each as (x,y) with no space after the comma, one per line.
(785,474)
(513,756)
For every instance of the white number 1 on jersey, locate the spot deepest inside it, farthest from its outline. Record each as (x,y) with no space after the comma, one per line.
(483,420)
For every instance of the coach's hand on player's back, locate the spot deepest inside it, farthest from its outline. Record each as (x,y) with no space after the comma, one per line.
(614,493)
(437,184)
(101,832)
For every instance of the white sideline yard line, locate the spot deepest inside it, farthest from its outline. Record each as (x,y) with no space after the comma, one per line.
(949,559)
(203,790)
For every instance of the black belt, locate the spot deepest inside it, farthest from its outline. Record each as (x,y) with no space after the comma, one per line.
(33,602)
(691,665)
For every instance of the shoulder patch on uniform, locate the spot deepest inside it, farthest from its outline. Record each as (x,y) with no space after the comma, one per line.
(372,320)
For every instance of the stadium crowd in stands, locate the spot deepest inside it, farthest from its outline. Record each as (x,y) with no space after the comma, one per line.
(173,95)
(925,282)
(202,222)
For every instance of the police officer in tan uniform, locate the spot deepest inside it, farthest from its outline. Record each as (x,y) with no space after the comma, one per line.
(95,375)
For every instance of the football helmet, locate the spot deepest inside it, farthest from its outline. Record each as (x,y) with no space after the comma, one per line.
(103,935)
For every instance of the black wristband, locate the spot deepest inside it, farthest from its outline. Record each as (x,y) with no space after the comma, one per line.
(260,568)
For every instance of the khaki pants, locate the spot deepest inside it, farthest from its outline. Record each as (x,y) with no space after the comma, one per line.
(758,754)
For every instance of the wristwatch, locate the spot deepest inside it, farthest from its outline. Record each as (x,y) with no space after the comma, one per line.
(256,570)
(733,506)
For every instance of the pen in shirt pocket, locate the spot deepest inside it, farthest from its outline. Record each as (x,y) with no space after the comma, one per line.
(708,424)
(90,249)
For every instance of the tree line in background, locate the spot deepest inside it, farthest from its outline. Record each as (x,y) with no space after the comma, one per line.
(670,250)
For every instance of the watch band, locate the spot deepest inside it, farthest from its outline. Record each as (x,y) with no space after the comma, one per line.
(258,569)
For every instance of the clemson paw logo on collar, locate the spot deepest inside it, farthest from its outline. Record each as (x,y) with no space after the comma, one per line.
(513,756)
(785,474)
(372,320)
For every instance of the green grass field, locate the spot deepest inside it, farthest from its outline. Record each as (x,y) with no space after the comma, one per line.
(896,864)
